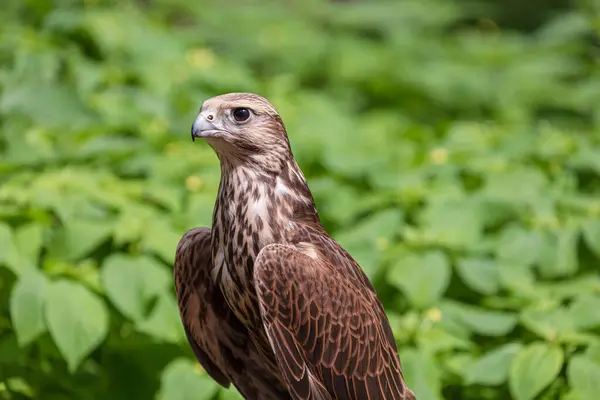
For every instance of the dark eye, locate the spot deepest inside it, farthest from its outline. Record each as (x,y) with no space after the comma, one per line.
(241,114)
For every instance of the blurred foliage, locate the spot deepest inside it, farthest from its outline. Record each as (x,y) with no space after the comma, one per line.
(454,153)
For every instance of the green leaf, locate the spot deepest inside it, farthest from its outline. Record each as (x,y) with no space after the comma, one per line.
(567,289)
(164,322)
(479,320)
(381,225)
(421,373)
(584,376)
(20,385)
(516,185)
(161,239)
(183,379)
(593,352)
(29,240)
(518,246)
(454,224)
(366,240)
(458,362)
(132,282)
(10,351)
(585,311)
(572,395)
(548,323)
(20,247)
(479,274)
(46,103)
(518,278)
(130,224)
(591,235)
(559,258)
(492,368)
(77,320)
(9,254)
(534,368)
(78,237)
(437,339)
(423,278)
(27,307)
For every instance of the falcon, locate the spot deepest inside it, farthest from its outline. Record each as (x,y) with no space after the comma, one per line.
(269,301)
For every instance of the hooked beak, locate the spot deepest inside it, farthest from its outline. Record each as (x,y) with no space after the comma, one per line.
(202,127)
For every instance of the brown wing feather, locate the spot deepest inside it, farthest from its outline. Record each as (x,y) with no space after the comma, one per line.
(326,326)
(219,340)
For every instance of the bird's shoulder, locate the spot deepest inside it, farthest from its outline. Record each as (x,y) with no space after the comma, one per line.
(313,240)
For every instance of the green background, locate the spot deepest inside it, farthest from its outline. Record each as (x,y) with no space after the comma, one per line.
(452,147)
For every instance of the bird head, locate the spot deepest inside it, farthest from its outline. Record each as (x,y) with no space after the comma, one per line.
(241,126)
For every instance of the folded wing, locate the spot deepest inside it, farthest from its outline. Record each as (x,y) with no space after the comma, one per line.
(219,340)
(329,333)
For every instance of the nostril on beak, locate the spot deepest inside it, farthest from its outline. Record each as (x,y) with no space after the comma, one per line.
(203,125)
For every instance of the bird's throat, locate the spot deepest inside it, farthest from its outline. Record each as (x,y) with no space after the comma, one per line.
(255,208)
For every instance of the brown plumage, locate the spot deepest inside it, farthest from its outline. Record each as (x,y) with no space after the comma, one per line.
(269,301)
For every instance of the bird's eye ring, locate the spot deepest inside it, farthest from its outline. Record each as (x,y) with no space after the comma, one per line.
(241,114)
